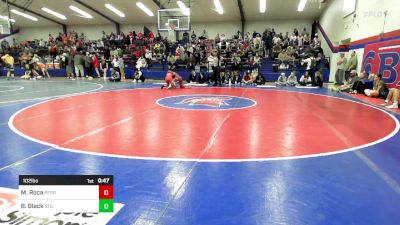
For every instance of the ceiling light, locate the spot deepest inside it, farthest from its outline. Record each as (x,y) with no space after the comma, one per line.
(81,12)
(56,14)
(6,18)
(24,15)
(263,6)
(185,11)
(114,10)
(302,4)
(145,9)
(218,6)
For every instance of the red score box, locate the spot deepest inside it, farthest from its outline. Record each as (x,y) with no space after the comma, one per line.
(106,192)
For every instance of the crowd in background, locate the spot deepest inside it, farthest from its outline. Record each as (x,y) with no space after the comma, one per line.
(229,58)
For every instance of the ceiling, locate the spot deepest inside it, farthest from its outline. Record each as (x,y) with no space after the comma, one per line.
(202,11)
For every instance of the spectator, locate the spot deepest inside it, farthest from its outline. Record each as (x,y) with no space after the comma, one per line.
(185,37)
(292,79)
(193,36)
(5,45)
(9,63)
(339,76)
(247,78)
(202,78)
(78,63)
(319,81)
(259,80)
(316,41)
(171,61)
(104,67)
(149,58)
(204,35)
(359,85)
(347,87)
(257,60)
(283,57)
(351,64)
(393,95)
(281,80)
(89,65)
(141,62)
(305,80)
(191,63)
(321,63)
(192,77)
(304,32)
(235,68)
(250,62)
(379,90)
(69,61)
(121,66)
(139,77)
(116,72)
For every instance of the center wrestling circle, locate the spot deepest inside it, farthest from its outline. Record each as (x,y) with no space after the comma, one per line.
(239,124)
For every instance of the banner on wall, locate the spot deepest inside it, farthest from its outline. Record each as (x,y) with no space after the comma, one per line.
(383,58)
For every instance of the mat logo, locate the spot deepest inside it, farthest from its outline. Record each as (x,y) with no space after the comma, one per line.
(7,200)
(206,102)
(11,214)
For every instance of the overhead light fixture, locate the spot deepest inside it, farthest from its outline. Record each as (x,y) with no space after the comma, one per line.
(56,14)
(263,6)
(185,11)
(218,6)
(114,10)
(24,15)
(144,8)
(6,18)
(81,12)
(302,4)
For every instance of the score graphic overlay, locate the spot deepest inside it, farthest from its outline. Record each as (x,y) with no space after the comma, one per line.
(66,193)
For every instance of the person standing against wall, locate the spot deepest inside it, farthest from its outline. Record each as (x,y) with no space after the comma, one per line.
(351,64)
(339,76)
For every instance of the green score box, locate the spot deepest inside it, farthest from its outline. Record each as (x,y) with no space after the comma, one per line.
(106,205)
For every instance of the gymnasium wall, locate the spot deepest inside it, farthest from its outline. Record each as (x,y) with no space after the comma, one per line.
(31,33)
(365,25)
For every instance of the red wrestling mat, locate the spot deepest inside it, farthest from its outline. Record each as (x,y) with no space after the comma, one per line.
(238,124)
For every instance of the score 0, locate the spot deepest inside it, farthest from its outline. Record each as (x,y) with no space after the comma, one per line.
(106,198)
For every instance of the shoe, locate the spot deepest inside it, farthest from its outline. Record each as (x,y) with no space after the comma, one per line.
(393,106)
(385,103)
(162,86)
(134,81)
(367,92)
